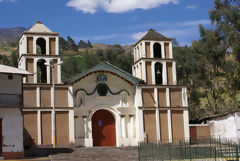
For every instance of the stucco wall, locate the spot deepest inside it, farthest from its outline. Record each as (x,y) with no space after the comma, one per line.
(12,129)
(115,84)
(13,86)
(123,111)
(226,126)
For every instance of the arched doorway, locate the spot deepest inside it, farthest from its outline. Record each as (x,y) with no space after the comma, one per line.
(103,129)
(157,50)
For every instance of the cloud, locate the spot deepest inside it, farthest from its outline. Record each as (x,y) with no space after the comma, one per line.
(137,35)
(184,32)
(8,0)
(116,6)
(192,7)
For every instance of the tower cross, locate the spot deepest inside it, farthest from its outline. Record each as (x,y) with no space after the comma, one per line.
(150,24)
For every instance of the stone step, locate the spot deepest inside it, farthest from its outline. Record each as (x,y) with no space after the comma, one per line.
(99,154)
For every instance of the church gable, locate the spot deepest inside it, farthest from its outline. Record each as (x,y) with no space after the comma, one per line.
(107,68)
(104,88)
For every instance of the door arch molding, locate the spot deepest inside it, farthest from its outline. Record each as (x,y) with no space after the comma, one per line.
(115,114)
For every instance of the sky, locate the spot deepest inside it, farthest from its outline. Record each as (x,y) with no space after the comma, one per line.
(110,21)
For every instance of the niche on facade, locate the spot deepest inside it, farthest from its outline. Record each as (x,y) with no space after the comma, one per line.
(124,96)
(41,46)
(81,99)
(157,50)
(41,71)
(158,73)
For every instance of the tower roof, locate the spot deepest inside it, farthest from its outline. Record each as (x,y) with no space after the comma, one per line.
(153,35)
(40,28)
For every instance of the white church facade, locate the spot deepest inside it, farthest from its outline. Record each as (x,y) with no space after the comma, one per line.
(103,106)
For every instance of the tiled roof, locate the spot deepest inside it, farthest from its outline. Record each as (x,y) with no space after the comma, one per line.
(39,27)
(107,67)
(153,35)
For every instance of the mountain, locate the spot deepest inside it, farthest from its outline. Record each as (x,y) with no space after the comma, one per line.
(127,48)
(9,35)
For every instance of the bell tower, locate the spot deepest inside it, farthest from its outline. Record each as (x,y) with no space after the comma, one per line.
(37,46)
(47,105)
(162,104)
(153,60)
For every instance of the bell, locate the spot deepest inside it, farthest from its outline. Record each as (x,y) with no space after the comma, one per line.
(158,71)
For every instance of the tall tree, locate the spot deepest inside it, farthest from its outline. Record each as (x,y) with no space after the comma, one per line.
(71,44)
(89,44)
(226,15)
(82,44)
(212,51)
(63,45)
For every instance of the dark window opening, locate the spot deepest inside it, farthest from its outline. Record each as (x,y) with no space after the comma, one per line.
(41,46)
(102,89)
(157,50)
(41,72)
(158,73)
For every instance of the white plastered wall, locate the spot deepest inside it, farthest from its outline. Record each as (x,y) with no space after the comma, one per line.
(226,127)
(124,113)
(13,86)
(12,129)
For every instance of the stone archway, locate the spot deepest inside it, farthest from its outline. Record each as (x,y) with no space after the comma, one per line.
(103,128)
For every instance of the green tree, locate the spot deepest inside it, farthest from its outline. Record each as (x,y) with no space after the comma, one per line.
(4,60)
(82,44)
(14,58)
(89,44)
(226,15)
(90,60)
(71,44)
(212,51)
(191,72)
(70,67)
(63,45)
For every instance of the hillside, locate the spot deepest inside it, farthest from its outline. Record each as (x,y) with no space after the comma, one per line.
(9,35)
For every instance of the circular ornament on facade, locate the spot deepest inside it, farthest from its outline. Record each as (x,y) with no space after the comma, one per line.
(102,89)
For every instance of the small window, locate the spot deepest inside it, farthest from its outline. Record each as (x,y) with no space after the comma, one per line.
(102,89)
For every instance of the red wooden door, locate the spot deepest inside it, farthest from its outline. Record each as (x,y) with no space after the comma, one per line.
(103,129)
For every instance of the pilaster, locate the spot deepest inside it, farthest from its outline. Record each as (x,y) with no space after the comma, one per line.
(174,73)
(169,126)
(71,127)
(162,49)
(157,114)
(38,96)
(47,45)
(39,127)
(164,73)
(123,125)
(35,70)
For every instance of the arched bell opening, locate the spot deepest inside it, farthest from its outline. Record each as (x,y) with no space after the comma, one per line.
(158,73)
(41,71)
(157,50)
(41,46)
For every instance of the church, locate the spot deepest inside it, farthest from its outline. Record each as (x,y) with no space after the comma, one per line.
(104,105)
